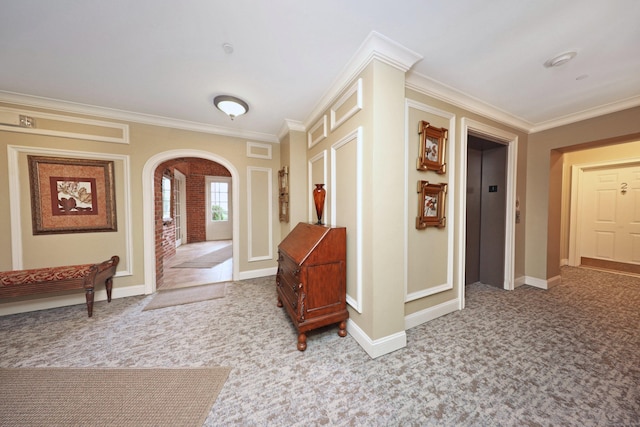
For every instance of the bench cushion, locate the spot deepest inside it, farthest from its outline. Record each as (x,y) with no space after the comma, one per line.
(36,275)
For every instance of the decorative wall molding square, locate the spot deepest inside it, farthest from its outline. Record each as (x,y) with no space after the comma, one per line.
(347,105)
(258,150)
(354,296)
(318,132)
(258,223)
(39,123)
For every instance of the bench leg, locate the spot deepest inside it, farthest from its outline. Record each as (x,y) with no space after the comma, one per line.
(89,296)
(109,285)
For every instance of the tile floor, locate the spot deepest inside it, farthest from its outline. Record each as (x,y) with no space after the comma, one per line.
(181,277)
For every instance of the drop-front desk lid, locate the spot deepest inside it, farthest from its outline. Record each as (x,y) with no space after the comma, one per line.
(305,238)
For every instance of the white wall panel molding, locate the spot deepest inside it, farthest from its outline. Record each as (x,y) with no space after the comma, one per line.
(354,299)
(257,150)
(341,111)
(13,120)
(410,196)
(317,161)
(258,219)
(13,152)
(318,132)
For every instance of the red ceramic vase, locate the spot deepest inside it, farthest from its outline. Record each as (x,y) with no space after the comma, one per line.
(318,198)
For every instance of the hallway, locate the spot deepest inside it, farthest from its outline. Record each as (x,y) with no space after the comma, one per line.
(175,277)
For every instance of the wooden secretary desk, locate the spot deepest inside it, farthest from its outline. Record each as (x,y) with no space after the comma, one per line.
(312,279)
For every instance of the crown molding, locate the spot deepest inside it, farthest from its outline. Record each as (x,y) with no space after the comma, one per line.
(588,114)
(428,86)
(290,125)
(129,116)
(375,46)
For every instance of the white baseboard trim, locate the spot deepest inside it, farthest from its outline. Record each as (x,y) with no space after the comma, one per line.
(44,303)
(520,281)
(252,274)
(554,281)
(431,313)
(542,283)
(564,262)
(379,347)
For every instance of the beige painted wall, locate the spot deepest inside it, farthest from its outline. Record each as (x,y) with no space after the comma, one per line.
(610,128)
(146,141)
(452,217)
(381,251)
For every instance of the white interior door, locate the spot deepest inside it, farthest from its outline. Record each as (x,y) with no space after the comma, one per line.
(610,214)
(218,208)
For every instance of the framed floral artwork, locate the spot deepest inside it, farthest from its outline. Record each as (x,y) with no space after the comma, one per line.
(431,205)
(433,142)
(71,195)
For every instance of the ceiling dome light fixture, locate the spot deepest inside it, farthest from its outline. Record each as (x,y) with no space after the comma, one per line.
(230,105)
(559,60)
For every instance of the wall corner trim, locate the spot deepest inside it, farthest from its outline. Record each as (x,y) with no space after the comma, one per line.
(541,283)
(379,347)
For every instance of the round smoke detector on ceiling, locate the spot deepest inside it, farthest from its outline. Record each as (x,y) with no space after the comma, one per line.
(227,47)
(559,60)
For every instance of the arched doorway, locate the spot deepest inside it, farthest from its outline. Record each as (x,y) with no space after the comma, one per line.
(149,183)
(193,222)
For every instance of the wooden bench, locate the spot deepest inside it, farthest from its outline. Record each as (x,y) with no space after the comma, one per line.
(54,279)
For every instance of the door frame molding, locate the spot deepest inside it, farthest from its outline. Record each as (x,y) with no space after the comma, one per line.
(180,180)
(470,126)
(577,172)
(208,179)
(148,209)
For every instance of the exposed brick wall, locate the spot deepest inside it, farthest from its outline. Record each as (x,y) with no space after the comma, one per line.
(195,170)
(196,231)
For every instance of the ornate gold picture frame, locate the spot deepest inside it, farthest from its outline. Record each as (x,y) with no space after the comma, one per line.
(433,144)
(431,205)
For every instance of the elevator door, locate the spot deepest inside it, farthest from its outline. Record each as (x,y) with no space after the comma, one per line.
(486,212)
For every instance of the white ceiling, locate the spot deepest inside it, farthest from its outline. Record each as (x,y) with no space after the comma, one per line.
(165,57)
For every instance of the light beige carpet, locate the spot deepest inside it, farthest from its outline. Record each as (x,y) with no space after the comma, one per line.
(108,397)
(208,260)
(170,297)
